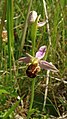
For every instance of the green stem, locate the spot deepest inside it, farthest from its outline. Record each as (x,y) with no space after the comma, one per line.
(33,34)
(32,98)
(10,32)
(33,37)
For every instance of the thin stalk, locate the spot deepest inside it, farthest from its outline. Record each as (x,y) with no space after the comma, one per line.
(48,27)
(32,98)
(10,32)
(33,37)
(26,25)
(46,90)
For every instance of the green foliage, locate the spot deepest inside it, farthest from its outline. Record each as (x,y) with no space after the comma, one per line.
(3,91)
(23,38)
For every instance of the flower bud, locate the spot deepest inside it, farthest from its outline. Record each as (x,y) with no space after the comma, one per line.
(32,16)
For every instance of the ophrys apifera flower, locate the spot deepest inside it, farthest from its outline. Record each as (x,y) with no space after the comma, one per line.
(35,63)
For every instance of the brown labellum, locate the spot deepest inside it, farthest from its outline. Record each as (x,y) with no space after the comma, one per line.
(32,70)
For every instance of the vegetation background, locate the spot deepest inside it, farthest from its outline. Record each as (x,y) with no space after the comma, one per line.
(15,87)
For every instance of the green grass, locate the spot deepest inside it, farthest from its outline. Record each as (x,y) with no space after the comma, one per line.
(27,38)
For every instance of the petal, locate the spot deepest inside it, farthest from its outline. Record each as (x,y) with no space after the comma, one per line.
(24,59)
(40,24)
(48,66)
(41,52)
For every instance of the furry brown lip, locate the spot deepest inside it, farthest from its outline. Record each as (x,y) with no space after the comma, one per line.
(32,70)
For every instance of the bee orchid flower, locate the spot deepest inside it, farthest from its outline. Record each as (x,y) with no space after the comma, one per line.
(35,63)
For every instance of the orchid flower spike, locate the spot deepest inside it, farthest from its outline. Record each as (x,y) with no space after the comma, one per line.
(35,63)
(32,18)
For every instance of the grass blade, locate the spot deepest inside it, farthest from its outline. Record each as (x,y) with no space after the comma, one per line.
(10,31)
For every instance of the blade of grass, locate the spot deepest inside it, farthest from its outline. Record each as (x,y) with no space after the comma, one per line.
(6,115)
(26,25)
(51,103)
(10,31)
